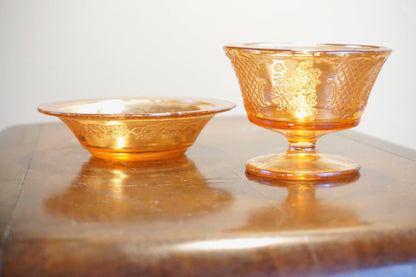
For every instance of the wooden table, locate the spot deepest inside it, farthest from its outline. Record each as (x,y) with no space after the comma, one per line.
(63,213)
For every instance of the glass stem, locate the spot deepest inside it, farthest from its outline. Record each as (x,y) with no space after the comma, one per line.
(301,148)
(301,143)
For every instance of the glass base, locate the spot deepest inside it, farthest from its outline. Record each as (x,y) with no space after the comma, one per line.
(137,156)
(303,166)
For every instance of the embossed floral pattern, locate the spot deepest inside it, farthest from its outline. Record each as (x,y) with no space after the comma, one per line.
(177,132)
(294,86)
(300,85)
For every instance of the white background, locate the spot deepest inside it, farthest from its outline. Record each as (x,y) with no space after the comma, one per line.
(60,50)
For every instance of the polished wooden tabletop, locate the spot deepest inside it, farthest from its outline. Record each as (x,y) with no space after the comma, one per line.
(64,213)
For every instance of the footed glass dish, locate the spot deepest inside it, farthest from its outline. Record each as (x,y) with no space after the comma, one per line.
(304,92)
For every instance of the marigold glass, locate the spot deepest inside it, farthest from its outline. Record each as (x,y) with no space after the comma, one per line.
(304,92)
(137,129)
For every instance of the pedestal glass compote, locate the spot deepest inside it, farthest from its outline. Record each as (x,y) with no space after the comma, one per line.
(304,92)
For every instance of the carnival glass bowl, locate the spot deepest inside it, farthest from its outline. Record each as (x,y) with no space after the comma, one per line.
(304,92)
(137,129)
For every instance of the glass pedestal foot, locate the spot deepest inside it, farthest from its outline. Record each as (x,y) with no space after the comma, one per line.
(302,166)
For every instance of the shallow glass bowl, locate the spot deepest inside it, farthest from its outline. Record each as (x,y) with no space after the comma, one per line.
(137,129)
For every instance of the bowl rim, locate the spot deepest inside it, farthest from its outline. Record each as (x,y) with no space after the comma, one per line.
(218,105)
(308,47)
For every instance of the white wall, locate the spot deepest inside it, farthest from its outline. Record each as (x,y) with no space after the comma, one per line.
(59,50)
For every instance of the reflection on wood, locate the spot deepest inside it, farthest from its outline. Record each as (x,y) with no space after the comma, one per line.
(302,209)
(121,191)
(68,214)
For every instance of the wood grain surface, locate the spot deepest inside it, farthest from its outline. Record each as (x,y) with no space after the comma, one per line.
(64,213)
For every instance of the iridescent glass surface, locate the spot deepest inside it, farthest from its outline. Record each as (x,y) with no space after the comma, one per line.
(304,92)
(137,129)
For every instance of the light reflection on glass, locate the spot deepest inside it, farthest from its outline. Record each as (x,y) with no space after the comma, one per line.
(121,142)
(112,106)
(113,123)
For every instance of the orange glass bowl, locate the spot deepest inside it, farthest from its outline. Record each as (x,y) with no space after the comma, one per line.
(304,92)
(137,129)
